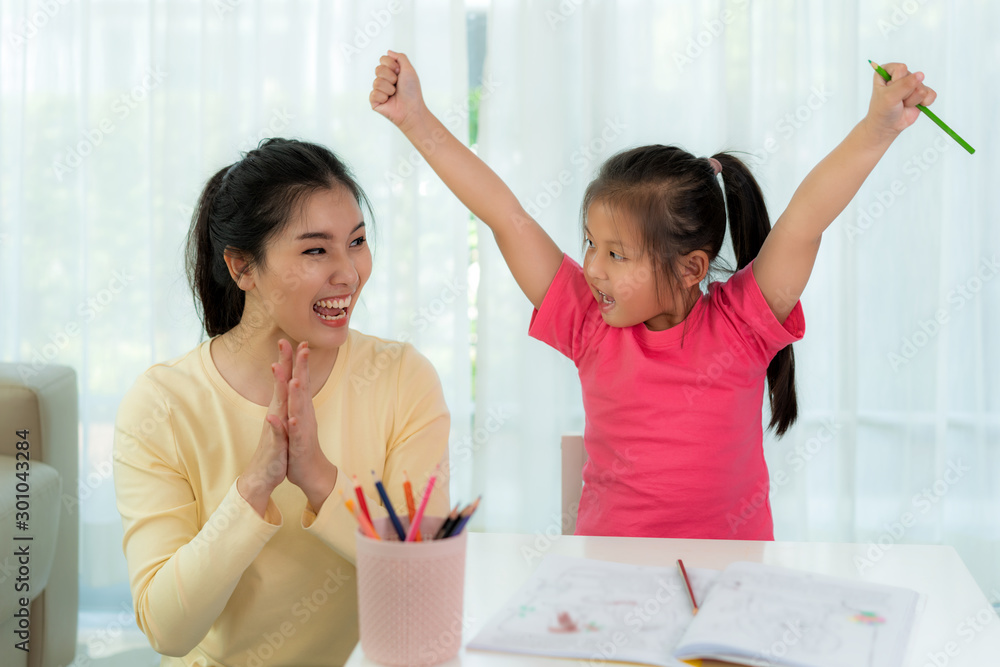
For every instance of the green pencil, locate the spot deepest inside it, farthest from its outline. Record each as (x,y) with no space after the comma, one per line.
(928,113)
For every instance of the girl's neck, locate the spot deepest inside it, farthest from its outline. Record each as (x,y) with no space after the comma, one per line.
(669,319)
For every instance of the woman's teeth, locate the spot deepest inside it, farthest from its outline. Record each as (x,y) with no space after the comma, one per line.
(332,309)
(342,302)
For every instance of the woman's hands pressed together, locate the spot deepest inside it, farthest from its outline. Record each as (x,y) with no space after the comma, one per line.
(308,467)
(289,444)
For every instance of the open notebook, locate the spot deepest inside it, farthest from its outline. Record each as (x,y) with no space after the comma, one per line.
(765,615)
(751,613)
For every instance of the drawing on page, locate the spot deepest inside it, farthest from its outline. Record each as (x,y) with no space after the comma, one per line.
(805,618)
(583,600)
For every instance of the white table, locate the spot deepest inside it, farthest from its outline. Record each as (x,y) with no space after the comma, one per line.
(497,564)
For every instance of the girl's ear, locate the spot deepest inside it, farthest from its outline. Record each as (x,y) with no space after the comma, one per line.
(239,269)
(694,267)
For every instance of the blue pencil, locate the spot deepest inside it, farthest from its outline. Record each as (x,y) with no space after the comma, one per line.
(388,506)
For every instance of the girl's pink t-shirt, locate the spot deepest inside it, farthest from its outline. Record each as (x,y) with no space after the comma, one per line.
(673,418)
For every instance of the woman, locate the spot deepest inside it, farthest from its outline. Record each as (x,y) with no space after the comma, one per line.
(228,459)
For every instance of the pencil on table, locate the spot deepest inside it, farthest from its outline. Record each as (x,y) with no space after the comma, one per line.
(687,582)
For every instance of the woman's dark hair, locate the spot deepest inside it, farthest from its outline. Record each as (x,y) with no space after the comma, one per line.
(679,207)
(243,207)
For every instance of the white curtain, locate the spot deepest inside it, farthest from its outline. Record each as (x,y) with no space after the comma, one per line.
(113,114)
(898,438)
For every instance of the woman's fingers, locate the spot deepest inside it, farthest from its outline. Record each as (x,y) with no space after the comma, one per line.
(279,399)
(298,388)
(286,357)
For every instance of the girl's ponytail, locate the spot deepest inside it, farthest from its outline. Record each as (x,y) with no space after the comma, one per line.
(749,225)
(217,297)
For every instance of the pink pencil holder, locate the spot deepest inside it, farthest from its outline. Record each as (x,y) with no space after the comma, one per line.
(410,595)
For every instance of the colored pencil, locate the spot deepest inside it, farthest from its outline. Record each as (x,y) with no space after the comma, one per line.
(423,505)
(388,507)
(411,507)
(687,582)
(927,112)
(464,519)
(362,505)
(448,524)
(366,527)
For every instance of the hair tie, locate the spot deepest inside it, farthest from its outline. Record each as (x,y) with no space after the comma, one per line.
(716,165)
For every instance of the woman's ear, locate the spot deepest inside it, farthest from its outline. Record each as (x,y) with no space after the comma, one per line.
(694,267)
(239,269)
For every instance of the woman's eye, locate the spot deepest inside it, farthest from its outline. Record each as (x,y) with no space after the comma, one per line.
(358,241)
(307,252)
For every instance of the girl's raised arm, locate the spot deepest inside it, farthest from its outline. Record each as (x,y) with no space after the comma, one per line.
(532,256)
(785,261)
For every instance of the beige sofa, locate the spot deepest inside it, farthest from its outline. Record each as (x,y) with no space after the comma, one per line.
(43,400)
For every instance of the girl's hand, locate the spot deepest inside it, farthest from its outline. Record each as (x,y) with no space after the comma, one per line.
(396,89)
(269,463)
(893,104)
(308,467)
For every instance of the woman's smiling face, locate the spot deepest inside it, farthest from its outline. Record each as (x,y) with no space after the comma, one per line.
(315,269)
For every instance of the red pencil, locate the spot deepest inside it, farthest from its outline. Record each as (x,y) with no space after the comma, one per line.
(687,582)
(362,505)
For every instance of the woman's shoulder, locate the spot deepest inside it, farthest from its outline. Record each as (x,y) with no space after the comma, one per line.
(176,374)
(372,357)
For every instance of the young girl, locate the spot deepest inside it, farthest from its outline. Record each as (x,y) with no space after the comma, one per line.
(228,459)
(671,376)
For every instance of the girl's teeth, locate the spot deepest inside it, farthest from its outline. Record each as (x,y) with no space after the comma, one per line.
(341,316)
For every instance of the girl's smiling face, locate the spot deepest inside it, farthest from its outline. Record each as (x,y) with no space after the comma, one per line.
(621,276)
(315,269)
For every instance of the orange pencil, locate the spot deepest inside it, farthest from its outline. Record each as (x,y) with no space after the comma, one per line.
(687,582)
(411,507)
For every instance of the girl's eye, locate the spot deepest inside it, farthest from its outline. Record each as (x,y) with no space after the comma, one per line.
(617,257)
(590,244)
(358,242)
(307,252)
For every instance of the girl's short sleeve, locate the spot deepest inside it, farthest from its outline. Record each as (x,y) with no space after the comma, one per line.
(569,318)
(740,300)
